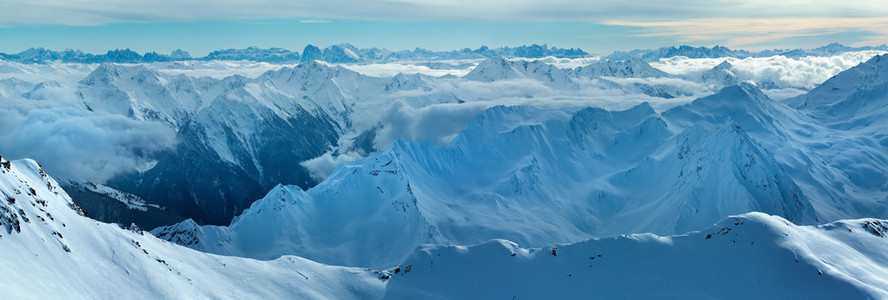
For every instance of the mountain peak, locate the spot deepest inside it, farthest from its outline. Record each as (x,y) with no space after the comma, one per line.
(632,67)
(311,52)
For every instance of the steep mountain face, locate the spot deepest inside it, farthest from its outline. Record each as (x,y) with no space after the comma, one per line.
(243,143)
(311,52)
(101,202)
(752,255)
(139,93)
(819,159)
(46,241)
(343,53)
(227,168)
(374,228)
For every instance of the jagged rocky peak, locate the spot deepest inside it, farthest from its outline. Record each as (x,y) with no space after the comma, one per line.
(342,53)
(185,233)
(31,201)
(311,52)
(180,54)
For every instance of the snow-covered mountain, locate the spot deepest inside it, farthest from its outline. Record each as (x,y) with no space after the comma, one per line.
(273,55)
(722,52)
(251,133)
(747,256)
(720,75)
(499,68)
(544,176)
(541,176)
(630,68)
(853,99)
(338,53)
(46,241)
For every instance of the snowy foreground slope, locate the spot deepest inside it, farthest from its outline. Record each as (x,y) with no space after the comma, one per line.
(540,176)
(751,256)
(47,250)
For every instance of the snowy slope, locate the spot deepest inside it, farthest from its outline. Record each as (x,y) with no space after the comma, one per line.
(852,99)
(50,251)
(377,230)
(47,243)
(748,256)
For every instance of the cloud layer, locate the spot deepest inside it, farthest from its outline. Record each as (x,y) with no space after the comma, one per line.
(91,12)
(95,147)
(804,73)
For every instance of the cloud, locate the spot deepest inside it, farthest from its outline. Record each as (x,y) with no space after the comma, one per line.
(392,69)
(434,123)
(92,12)
(95,147)
(800,73)
(755,33)
(217,69)
(321,166)
(314,21)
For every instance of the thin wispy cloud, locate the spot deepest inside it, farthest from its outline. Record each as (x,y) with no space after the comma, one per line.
(91,12)
(746,32)
(747,24)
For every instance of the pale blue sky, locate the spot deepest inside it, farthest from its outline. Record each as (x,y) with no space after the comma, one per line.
(200,26)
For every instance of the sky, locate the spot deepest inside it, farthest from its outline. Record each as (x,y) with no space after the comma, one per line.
(200,26)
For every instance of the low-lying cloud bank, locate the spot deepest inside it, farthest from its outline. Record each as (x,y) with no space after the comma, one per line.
(805,72)
(92,146)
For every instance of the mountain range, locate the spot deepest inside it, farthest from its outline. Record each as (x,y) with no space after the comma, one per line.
(237,137)
(346,53)
(340,53)
(47,241)
(691,186)
(539,177)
